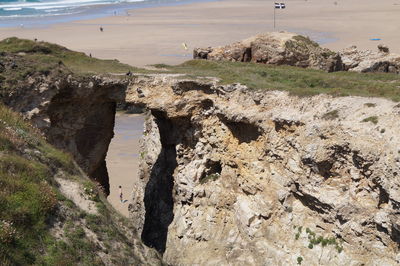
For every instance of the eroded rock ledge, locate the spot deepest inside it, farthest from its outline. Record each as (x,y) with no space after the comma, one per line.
(75,113)
(285,48)
(231,176)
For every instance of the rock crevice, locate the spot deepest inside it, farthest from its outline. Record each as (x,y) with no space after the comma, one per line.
(242,176)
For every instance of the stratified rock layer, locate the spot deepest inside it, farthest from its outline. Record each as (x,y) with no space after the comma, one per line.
(237,177)
(277,48)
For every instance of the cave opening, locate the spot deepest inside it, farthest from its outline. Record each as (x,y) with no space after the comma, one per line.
(244,131)
(123,156)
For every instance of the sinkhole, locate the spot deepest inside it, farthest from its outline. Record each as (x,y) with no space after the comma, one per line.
(123,158)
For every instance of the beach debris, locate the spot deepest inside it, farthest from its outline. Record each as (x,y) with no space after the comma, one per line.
(184,46)
(101,29)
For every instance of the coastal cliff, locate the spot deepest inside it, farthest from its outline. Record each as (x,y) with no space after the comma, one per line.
(285,172)
(232,176)
(51,213)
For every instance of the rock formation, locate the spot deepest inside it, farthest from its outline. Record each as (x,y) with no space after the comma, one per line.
(237,177)
(370,61)
(76,113)
(233,176)
(276,48)
(284,48)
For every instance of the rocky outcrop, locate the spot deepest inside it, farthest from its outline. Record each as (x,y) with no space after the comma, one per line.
(234,176)
(276,48)
(370,61)
(237,177)
(46,200)
(76,113)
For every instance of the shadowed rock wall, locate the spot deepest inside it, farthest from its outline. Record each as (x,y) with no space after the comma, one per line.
(75,113)
(266,178)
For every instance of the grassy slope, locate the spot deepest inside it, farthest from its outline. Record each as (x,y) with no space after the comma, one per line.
(30,202)
(45,55)
(42,56)
(298,81)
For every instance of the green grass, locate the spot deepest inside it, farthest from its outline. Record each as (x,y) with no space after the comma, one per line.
(27,197)
(298,81)
(30,201)
(331,115)
(372,119)
(49,55)
(46,58)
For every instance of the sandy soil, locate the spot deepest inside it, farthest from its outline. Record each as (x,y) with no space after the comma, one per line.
(155,35)
(122,159)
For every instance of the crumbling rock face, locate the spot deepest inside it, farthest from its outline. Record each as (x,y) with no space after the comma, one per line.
(75,113)
(284,48)
(239,177)
(370,61)
(276,48)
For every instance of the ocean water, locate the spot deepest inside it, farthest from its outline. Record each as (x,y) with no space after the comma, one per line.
(32,13)
(41,8)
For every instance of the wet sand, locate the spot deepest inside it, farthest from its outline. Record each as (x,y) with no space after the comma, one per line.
(155,35)
(122,158)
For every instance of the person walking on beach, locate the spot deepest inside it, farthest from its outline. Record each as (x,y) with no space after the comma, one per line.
(120,193)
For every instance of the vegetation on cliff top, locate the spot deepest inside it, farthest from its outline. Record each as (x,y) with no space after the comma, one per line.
(46,56)
(32,57)
(296,80)
(38,224)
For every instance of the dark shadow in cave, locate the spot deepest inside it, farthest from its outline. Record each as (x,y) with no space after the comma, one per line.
(243,131)
(158,197)
(88,142)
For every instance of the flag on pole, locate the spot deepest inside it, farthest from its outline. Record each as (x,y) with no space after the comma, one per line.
(280,5)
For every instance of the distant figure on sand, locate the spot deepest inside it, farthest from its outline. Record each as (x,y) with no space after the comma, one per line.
(120,193)
(101,28)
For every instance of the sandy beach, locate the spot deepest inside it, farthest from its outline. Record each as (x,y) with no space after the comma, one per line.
(122,159)
(155,35)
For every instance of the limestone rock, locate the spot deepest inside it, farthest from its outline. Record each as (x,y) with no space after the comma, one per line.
(75,113)
(241,177)
(370,61)
(277,48)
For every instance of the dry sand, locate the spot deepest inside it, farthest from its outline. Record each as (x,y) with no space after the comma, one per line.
(122,159)
(155,35)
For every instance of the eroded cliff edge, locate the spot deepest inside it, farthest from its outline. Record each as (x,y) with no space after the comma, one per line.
(237,176)
(231,175)
(75,113)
